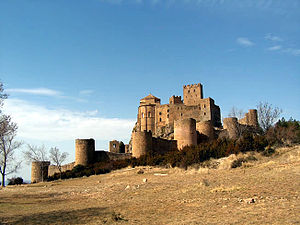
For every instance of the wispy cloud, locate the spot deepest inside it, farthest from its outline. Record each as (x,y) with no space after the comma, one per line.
(35,91)
(244,42)
(292,51)
(86,92)
(272,37)
(275,48)
(43,124)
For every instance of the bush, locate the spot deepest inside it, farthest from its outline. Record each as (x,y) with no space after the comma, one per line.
(268,151)
(15,181)
(238,162)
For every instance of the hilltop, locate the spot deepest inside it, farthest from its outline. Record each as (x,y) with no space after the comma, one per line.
(262,191)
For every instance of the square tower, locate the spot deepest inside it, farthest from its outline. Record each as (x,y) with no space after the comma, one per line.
(192,94)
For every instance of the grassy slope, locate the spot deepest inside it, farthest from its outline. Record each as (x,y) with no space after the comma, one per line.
(194,196)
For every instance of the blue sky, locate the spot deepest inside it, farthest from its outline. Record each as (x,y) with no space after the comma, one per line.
(78,70)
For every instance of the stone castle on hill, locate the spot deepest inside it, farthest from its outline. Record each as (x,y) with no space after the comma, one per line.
(159,129)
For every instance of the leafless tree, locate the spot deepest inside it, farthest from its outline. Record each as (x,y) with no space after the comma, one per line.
(58,158)
(36,153)
(267,115)
(239,114)
(8,145)
(235,112)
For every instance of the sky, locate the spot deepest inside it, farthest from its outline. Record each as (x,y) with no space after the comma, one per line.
(78,70)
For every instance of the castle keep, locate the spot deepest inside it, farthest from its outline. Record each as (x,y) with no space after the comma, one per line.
(160,129)
(152,116)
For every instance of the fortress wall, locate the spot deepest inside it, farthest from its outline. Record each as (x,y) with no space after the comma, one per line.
(162,146)
(54,169)
(206,128)
(141,143)
(175,100)
(102,156)
(84,151)
(185,132)
(39,171)
(250,118)
(231,125)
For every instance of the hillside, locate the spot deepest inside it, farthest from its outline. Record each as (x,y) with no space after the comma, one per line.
(265,191)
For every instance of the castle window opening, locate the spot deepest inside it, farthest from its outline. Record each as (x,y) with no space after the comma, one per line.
(188,91)
(160,113)
(167,115)
(159,119)
(149,114)
(204,113)
(194,91)
(181,114)
(168,110)
(114,145)
(142,115)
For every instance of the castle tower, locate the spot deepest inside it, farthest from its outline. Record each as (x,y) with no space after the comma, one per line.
(231,125)
(252,118)
(206,128)
(39,171)
(146,113)
(141,143)
(192,94)
(185,132)
(84,151)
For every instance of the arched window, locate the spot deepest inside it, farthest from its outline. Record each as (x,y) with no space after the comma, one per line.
(149,114)
(142,115)
(159,119)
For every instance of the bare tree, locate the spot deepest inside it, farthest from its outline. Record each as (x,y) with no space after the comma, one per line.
(239,114)
(235,112)
(36,153)
(8,145)
(58,158)
(267,115)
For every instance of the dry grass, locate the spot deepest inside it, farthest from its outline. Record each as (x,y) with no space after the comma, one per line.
(267,192)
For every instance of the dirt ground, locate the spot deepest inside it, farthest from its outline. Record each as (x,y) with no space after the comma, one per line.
(265,191)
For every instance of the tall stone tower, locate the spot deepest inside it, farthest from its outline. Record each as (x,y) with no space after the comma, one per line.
(192,94)
(146,114)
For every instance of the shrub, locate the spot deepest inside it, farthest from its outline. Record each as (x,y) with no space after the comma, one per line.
(268,151)
(15,181)
(238,162)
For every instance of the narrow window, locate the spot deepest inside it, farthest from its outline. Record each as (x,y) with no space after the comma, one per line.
(204,113)
(194,90)
(160,113)
(159,119)
(114,146)
(168,110)
(168,116)
(149,114)
(142,115)
(181,114)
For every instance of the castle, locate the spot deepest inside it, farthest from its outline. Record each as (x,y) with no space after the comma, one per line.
(159,129)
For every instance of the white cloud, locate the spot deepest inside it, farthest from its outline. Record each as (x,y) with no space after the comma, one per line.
(275,48)
(35,91)
(272,37)
(86,92)
(42,124)
(293,51)
(244,42)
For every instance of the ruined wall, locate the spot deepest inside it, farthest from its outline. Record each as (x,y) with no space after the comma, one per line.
(231,125)
(39,171)
(162,146)
(141,143)
(84,151)
(185,132)
(206,128)
(250,118)
(192,94)
(102,156)
(54,169)
(114,146)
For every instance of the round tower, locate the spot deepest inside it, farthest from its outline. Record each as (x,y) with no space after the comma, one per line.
(39,171)
(84,151)
(231,125)
(252,118)
(141,143)
(206,128)
(185,132)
